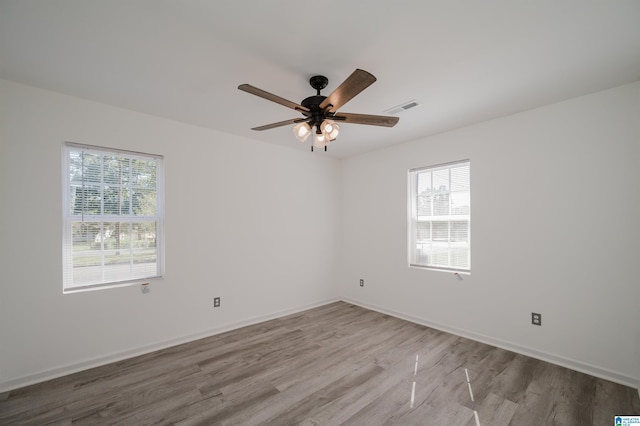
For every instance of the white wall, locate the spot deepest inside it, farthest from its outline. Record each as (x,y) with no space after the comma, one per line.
(555,210)
(252,223)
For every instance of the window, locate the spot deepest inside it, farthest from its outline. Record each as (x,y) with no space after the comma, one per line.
(440,217)
(112,212)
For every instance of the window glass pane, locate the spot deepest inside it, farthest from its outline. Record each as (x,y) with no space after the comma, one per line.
(86,200)
(441,180)
(75,166)
(421,254)
(117,252)
(460,203)
(87,256)
(144,173)
(143,202)
(424,182)
(460,257)
(441,203)
(423,230)
(116,200)
(439,256)
(424,204)
(440,231)
(460,178)
(143,235)
(91,168)
(459,231)
(424,200)
(144,254)
(116,170)
(83,234)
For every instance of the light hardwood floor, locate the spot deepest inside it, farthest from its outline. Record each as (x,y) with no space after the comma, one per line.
(336,364)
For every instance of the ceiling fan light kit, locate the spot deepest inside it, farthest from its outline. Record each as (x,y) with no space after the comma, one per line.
(321,112)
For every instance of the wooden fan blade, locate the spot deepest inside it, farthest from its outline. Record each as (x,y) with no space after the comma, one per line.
(280,124)
(354,84)
(373,120)
(271,97)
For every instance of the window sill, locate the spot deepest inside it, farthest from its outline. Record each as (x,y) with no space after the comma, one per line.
(432,268)
(105,286)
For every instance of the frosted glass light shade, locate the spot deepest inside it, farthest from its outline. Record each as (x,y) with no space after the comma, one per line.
(302,131)
(330,129)
(320,140)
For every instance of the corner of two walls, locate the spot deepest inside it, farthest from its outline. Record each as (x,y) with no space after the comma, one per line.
(554,230)
(241,224)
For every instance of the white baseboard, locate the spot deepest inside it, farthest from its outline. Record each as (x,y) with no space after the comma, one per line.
(141,350)
(572,364)
(119,356)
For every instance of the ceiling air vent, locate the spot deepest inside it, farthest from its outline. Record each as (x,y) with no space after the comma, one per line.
(403,107)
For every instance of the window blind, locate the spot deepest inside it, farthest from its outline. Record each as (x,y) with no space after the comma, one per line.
(112,210)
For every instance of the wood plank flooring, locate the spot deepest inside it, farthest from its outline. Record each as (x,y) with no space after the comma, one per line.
(336,364)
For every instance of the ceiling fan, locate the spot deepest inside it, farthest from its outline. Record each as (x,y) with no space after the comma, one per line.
(321,112)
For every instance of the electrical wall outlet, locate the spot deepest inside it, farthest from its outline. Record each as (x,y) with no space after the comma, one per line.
(361,282)
(536,319)
(216,302)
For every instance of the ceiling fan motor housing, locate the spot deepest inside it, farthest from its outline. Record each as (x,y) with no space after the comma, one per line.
(316,115)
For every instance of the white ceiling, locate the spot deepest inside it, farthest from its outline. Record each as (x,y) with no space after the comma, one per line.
(465,62)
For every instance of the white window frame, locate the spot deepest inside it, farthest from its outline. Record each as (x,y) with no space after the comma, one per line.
(136,276)
(417,247)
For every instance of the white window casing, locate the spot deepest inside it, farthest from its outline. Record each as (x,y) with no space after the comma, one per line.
(440,217)
(113,212)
